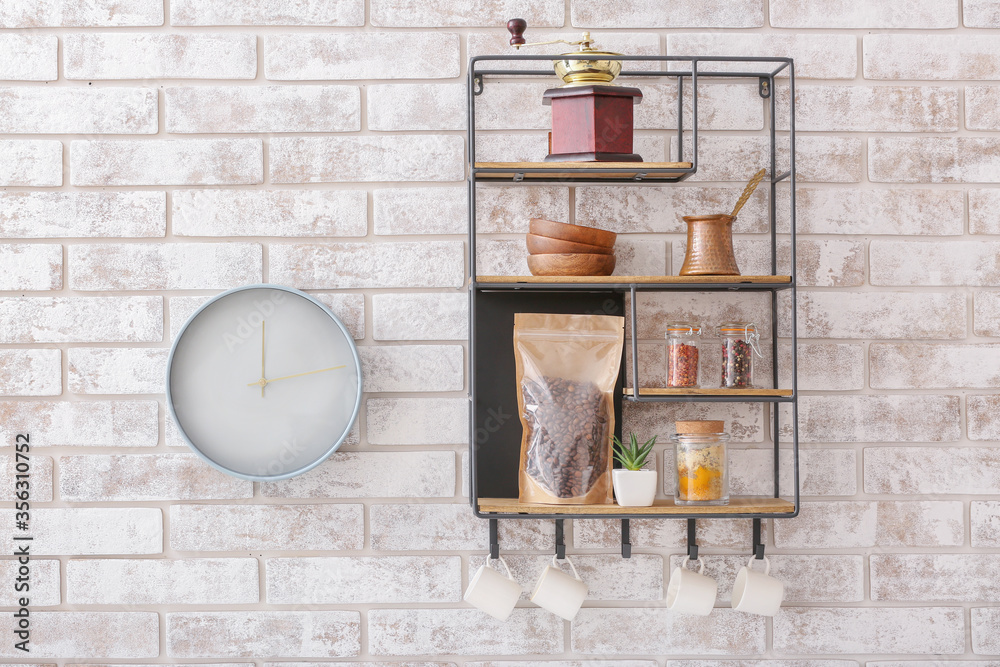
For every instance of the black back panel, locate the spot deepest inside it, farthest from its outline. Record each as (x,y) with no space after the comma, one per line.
(496,428)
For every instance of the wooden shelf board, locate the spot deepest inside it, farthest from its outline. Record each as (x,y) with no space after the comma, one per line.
(737,505)
(595,170)
(717,391)
(639,280)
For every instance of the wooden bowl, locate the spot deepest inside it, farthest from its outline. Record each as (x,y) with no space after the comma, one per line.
(575,233)
(545,245)
(571,264)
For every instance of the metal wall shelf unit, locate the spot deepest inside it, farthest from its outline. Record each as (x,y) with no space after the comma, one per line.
(495,430)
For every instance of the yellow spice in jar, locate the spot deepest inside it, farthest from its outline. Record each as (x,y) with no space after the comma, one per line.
(699,474)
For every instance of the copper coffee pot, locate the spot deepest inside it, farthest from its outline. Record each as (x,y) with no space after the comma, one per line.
(710,239)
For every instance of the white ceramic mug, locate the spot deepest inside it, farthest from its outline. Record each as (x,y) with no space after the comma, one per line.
(757,592)
(691,592)
(492,592)
(558,592)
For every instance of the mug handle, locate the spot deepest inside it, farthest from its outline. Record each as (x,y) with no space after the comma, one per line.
(555,564)
(767,564)
(502,562)
(701,564)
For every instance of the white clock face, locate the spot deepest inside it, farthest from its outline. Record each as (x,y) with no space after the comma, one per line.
(264,382)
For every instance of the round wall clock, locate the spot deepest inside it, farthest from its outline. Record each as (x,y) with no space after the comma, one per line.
(264,382)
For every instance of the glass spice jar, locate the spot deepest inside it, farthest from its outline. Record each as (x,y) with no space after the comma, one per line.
(739,345)
(701,469)
(682,354)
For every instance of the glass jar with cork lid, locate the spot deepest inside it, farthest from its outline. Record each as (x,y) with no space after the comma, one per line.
(682,354)
(740,343)
(701,466)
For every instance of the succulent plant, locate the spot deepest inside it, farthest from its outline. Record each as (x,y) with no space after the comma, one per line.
(633,455)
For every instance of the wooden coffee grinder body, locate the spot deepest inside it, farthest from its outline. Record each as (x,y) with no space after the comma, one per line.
(592,123)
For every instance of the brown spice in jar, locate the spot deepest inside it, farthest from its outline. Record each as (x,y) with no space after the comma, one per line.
(737,363)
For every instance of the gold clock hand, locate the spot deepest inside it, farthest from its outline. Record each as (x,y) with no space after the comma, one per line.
(262,374)
(264,382)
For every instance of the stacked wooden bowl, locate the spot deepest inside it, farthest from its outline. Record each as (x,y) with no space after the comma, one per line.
(561,249)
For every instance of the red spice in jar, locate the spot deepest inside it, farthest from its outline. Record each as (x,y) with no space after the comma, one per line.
(682,365)
(682,354)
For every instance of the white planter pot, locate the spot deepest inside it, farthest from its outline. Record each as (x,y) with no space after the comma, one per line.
(634,488)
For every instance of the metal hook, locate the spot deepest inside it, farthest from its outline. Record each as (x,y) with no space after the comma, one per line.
(626,540)
(692,542)
(560,540)
(494,540)
(758,544)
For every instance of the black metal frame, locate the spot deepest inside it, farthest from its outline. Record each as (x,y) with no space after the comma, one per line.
(766,89)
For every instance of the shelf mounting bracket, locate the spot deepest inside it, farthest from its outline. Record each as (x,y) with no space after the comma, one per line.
(560,540)
(477,85)
(764,87)
(494,540)
(692,541)
(626,540)
(758,544)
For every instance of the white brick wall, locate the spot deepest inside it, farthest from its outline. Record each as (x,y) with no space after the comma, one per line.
(97,634)
(78,110)
(88,531)
(172,162)
(31,162)
(145,477)
(69,14)
(158,582)
(236,634)
(164,266)
(243,528)
(367,55)
(81,424)
(376,158)
(395,632)
(151,55)
(82,214)
(108,319)
(930,630)
(872,14)
(222,12)
(155,153)
(389,579)
(606,631)
(263,109)
(31,267)
(29,57)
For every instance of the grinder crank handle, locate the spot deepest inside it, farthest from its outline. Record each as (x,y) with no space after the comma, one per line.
(516,27)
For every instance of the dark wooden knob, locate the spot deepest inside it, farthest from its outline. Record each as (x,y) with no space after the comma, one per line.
(516,27)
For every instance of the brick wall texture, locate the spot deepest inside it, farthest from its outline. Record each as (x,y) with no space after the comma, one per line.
(156,152)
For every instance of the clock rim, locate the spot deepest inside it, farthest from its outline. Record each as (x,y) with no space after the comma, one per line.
(323,457)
